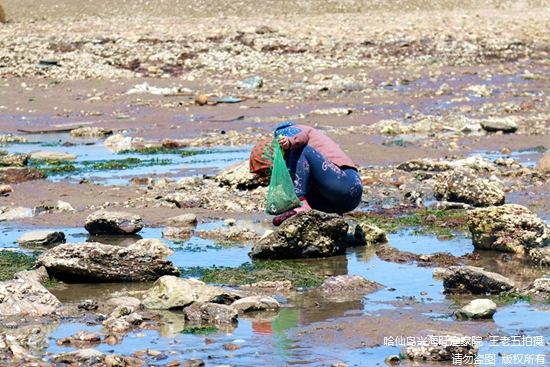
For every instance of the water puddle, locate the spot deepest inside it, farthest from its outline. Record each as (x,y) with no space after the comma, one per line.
(95,162)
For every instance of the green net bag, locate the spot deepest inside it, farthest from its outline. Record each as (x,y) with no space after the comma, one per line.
(280,194)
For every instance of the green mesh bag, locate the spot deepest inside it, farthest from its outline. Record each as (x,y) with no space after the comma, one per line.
(280,194)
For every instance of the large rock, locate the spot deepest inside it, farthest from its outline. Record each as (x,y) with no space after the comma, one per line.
(508,228)
(19,174)
(308,234)
(41,238)
(103,222)
(504,124)
(170,292)
(464,186)
(209,312)
(92,261)
(24,296)
(474,280)
(539,287)
(544,164)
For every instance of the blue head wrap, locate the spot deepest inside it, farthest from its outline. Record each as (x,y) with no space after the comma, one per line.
(286,129)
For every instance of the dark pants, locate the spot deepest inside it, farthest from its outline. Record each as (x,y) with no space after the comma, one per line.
(325,186)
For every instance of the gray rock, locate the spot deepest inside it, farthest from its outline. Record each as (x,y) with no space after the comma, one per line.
(544,164)
(170,292)
(153,246)
(308,234)
(229,235)
(477,309)
(255,303)
(54,156)
(80,357)
(23,296)
(474,280)
(181,200)
(348,282)
(41,238)
(494,124)
(464,186)
(20,174)
(90,132)
(98,262)
(507,228)
(208,312)
(113,223)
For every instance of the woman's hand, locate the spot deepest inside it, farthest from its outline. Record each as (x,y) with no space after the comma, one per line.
(284,142)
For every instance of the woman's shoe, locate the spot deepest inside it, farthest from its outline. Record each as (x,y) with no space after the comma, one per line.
(305,205)
(282,217)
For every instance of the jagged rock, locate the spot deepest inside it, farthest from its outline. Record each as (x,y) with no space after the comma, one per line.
(508,228)
(210,313)
(477,309)
(14,160)
(239,176)
(446,351)
(90,132)
(348,282)
(540,286)
(544,164)
(171,292)
(103,222)
(118,143)
(95,261)
(494,124)
(39,275)
(153,246)
(20,174)
(308,234)
(540,256)
(181,201)
(54,156)
(87,357)
(23,296)
(255,303)
(464,186)
(474,280)
(41,238)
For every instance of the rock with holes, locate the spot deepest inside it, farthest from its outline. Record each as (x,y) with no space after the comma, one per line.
(308,234)
(463,185)
(507,228)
